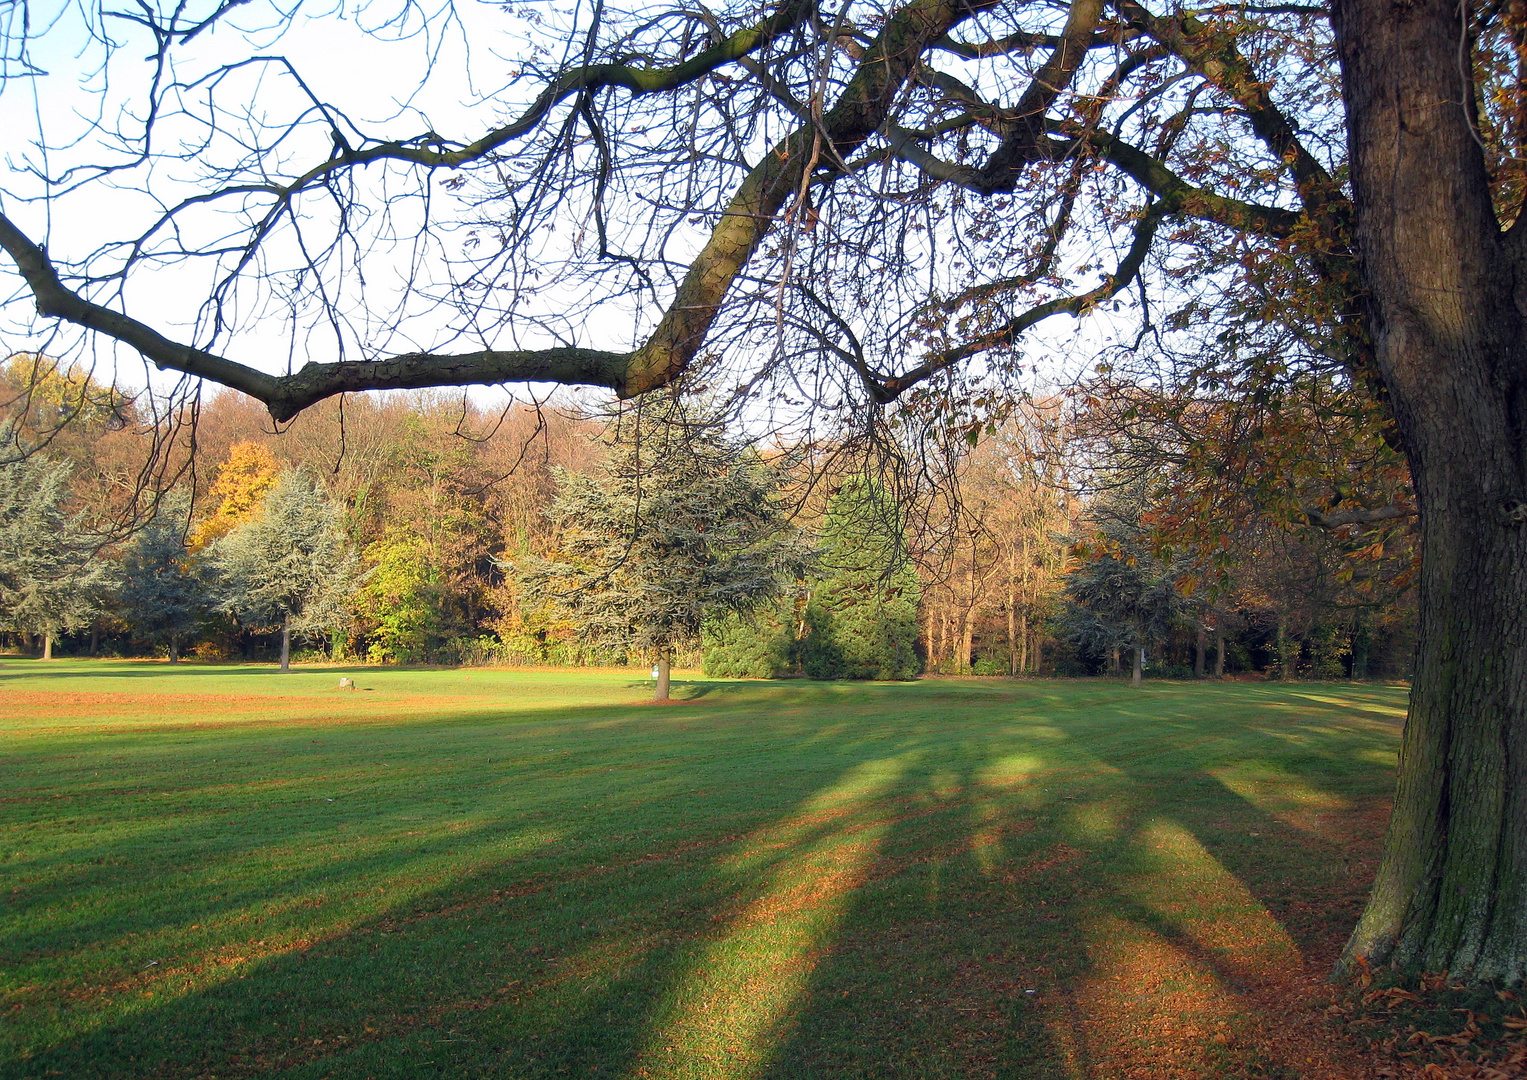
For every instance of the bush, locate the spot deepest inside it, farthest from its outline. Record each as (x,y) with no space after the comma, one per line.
(989,665)
(1170,671)
(748,647)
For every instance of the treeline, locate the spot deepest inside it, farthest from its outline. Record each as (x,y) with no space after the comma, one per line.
(423,528)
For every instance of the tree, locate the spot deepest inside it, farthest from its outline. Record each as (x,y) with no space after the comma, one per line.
(164,594)
(1123,597)
(402,599)
(759,645)
(289,566)
(943,169)
(861,618)
(681,526)
(242,482)
(51,578)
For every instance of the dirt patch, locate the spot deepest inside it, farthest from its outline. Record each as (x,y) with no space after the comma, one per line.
(17,701)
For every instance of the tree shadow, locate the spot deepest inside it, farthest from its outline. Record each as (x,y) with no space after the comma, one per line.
(906,909)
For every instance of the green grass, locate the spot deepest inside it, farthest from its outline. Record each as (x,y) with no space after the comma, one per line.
(225,871)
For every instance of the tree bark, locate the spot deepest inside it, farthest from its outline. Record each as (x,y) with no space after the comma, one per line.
(1138,674)
(47,646)
(1450,338)
(1012,633)
(1219,654)
(286,643)
(664,676)
(1282,650)
(174,650)
(1198,653)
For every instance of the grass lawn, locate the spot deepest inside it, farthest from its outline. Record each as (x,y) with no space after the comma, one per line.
(225,871)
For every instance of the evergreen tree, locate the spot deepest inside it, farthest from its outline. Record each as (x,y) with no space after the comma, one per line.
(164,595)
(861,619)
(1125,597)
(758,645)
(680,526)
(51,578)
(289,566)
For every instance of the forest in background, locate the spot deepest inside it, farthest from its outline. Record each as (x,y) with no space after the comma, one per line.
(1092,533)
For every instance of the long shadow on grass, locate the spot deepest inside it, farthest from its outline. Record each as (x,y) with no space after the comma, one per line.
(807,898)
(513,972)
(990,960)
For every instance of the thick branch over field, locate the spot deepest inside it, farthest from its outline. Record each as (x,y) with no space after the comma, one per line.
(846,92)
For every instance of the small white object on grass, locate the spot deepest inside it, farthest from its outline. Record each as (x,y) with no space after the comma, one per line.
(346,684)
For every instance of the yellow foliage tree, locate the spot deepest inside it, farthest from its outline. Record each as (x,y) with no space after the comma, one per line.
(240,487)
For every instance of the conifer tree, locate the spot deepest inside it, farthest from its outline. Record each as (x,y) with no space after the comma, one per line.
(51,578)
(164,593)
(681,525)
(289,566)
(861,620)
(1124,597)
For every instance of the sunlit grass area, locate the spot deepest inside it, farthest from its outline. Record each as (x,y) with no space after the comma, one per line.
(224,871)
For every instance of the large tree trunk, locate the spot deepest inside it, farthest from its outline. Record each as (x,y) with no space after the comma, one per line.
(286,643)
(1219,654)
(47,646)
(1138,674)
(1451,343)
(1199,645)
(664,676)
(174,650)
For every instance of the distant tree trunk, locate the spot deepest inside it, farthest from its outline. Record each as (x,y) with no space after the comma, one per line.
(664,673)
(1219,654)
(1199,644)
(286,643)
(1282,646)
(1441,286)
(95,639)
(1113,660)
(174,650)
(1012,633)
(1037,655)
(1023,643)
(1138,675)
(47,646)
(1361,640)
